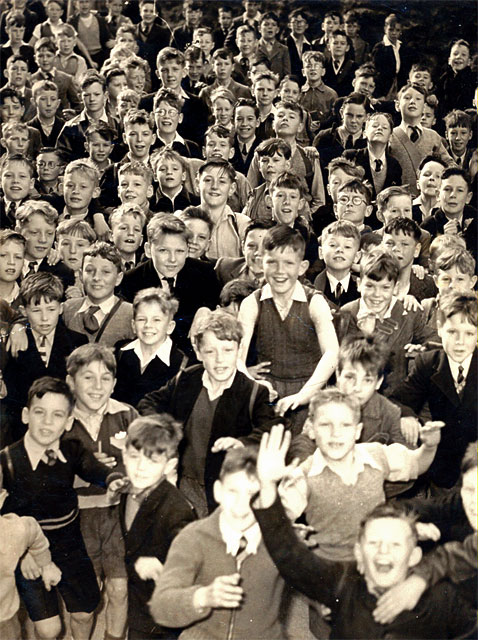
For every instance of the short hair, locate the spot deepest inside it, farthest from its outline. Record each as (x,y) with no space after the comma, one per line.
(155,434)
(246,28)
(113,72)
(136,168)
(223,54)
(15,127)
(86,166)
(431,158)
(290,78)
(239,459)
(271,146)
(127,209)
(235,291)
(316,56)
(47,384)
(269,15)
(129,93)
(32,207)
(86,354)
(461,43)
(168,96)
(9,235)
(193,54)
(138,116)
(258,224)
(224,165)
(376,114)
(76,228)
(385,195)
(197,213)
(332,14)
(281,236)
(168,54)
(292,106)
(91,76)
(347,166)
(166,153)
(365,71)
(16,157)
(222,324)
(16,57)
(356,98)
(288,181)
(352,16)
(410,85)
(67,28)
(221,132)
(470,459)
(342,228)
(357,186)
(403,225)
(10,92)
(166,224)
(331,395)
(392,19)
(167,303)
(247,102)
(267,75)
(421,66)
(58,152)
(14,19)
(45,43)
(457,171)
(43,85)
(339,32)
(41,285)
(442,243)
(452,303)
(299,13)
(102,129)
(379,264)
(457,118)
(389,511)
(370,352)
(431,101)
(224,94)
(106,251)
(456,257)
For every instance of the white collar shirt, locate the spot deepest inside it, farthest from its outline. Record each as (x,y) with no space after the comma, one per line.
(163,352)
(232,538)
(36,452)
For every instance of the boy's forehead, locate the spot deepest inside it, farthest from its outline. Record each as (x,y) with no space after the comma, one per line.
(49,399)
(389,527)
(402,198)
(330,408)
(240,481)
(36,219)
(216,171)
(454,180)
(334,236)
(357,367)
(284,251)
(458,319)
(11,243)
(97,366)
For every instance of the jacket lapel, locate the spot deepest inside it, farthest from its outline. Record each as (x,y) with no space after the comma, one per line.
(443,379)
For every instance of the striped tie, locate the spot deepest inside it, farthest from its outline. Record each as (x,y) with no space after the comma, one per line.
(460,382)
(42,350)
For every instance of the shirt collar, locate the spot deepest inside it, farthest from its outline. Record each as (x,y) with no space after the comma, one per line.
(406,127)
(334,282)
(362,457)
(163,352)
(26,265)
(103,118)
(307,87)
(388,43)
(206,381)
(177,138)
(92,421)
(454,366)
(14,293)
(105,306)
(35,451)
(49,338)
(305,41)
(232,538)
(298,294)
(373,157)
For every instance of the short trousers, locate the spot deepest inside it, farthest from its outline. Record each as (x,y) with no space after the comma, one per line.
(104,542)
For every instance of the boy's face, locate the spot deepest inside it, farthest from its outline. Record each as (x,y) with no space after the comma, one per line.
(170,173)
(222,68)
(12,254)
(134,188)
(128,40)
(127,233)
(171,73)
(422,79)
(151,324)
(92,385)
(458,337)
(215,187)
(338,252)
(48,167)
(393,31)
(351,27)
(168,253)
(351,206)
(335,430)
(385,552)
(287,122)
(458,139)
(17,73)
(54,11)
(245,123)
(290,91)
(16,181)
(397,207)
(298,25)
(329,24)
(224,18)
(219,357)
(217,147)
(116,85)
(167,117)
(459,57)
(264,92)
(78,190)
(115,7)
(454,195)
(125,103)
(192,16)
(47,103)
(336,179)
(429,180)
(376,294)
(205,42)
(71,250)
(272,166)
(453,279)
(147,13)
(313,71)
(139,139)
(353,118)
(16,143)
(234,494)
(252,250)
(84,7)
(93,98)
(353,379)
(194,69)
(469,496)
(66,43)
(11,110)
(15,33)
(39,235)
(99,277)
(246,43)
(411,104)
(268,29)
(338,46)
(282,268)
(43,315)
(223,111)
(428,118)
(200,239)
(404,247)
(144,471)
(136,79)
(286,204)
(98,148)
(45,59)
(378,130)
(47,418)
(364,85)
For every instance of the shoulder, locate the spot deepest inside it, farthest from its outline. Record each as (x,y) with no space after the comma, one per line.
(73,304)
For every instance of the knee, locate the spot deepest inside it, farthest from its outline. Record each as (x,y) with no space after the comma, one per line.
(117,590)
(81,617)
(48,629)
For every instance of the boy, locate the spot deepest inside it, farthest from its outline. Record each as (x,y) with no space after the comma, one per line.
(218,576)
(200,227)
(46,100)
(99,139)
(182,36)
(339,249)
(12,105)
(17,139)
(93,32)
(168,116)
(246,121)
(66,59)
(151,514)
(330,22)
(17,175)
(222,107)
(270,48)
(264,90)
(97,421)
(459,132)
(316,97)
(339,69)
(429,176)
(127,223)
(194,66)
(49,27)
(284,313)
(115,83)
(73,238)
(138,134)
(386,537)
(171,194)
(391,59)
(151,35)
(354,204)
(38,473)
(297,42)
(360,47)
(217,180)
(446,379)
(100,314)
(246,45)
(15,44)
(220,407)
(12,256)
(17,72)
(135,186)
(222,63)
(455,88)
(149,361)
(378,312)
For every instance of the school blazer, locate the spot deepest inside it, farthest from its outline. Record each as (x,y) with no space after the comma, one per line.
(47,140)
(278,58)
(229,269)
(237,161)
(361,158)
(384,61)
(322,284)
(67,91)
(341,82)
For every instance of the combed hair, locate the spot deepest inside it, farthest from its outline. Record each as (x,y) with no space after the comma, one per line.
(356,98)
(90,77)
(136,168)
(247,102)
(165,223)
(357,186)
(342,228)
(16,157)
(457,118)
(86,166)
(47,384)
(193,54)
(431,158)
(166,153)
(127,209)
(404,225)
(315,56)
(167,303)
(240,459)
(457,171)
(390,511)
(43,85)
(376,114)
(390,192)
(266,75)
(379,264)
(88,353)
(221,132)
(452,304)
(456,257)
(106,251)
(223,54)
(169,53)
(196,213)
(292,106)
(410,85)
(32,207)
(9,92)
(224,165)
(281,236)
(333,395)
(441,243)
(168,96)
(222,324)
(223,93)
(102,129)
(287,181)
(9,235)
(347,166)
(271,146)
(371,353)
(45,43)
(235,291)
(155,434)
(41,285)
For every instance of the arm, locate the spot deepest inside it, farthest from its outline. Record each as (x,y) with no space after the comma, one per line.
(454,560)
(405,464)
(157,401)
(248,314)
(317,189)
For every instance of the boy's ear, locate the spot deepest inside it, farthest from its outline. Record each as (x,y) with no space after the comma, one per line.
(397,106)
(415,557)
(358,557)
(379,383)
(69,423)
(335,211)
(268,201)
(368,210)
(150,191)
(417,250)
(25,415)
(147,249)
(473,281)
(231,153)
(61,308)
(217,491)
(70,381)
(3,142)
(170,328)
(468,197)
(233,188)
(96,192)
(304,265)
(321,255)
(358,431)
(180,118)
(119,277)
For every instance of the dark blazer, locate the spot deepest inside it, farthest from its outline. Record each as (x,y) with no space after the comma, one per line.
(26,51)
(322,284)
(160,517)
(181,37)
(422,289)
(384,61)
(431,381)
(228,269)
(361,158)
(435,224)
(67,91)
(47,140)
(295,59)
(232,416)
(237,161)
(230,39)
(329,144)
(341,81)
(66,275)
(105,33)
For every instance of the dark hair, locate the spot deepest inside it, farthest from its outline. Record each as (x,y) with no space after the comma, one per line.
(452,303)
(457,118)
(107,252)
(47,384)
(240,459)
(219,163)
(470,459)
(88,353)
(166,95)
(457,171)
(282,236)
(91,76)
(357,186)
(455,257)
(10,92)
(404,225)
(223,54)
(45,43)
(41,285)
(379,264)
(247,102)
(197,213)
(371,353)
(102,129)
(356,98)
(432,158)
(288,181)
(389,511)
(235,291)
(155,434)
(271,146)
(269,15)
(193,54)
(258,224)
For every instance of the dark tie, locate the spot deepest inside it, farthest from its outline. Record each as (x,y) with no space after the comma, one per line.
(51,457)
(31,268)
(89,321)
(12,208)
(244,150)
(42,350)
(378,166)
(338,290)
(460,382)
(349,143)
(170,282)
(414,133)
(129,265)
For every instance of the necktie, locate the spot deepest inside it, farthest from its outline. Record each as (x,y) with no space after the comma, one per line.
(89,321)
(460,382)
(31,268)
(42,350)
(414,133)
(11,212)
(170,283)
(244,150)
(129,265)
(378,166)
(51,457)
(349,143)
(338,290)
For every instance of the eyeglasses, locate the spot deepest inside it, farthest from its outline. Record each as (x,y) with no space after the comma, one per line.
(167,112)
(355,200)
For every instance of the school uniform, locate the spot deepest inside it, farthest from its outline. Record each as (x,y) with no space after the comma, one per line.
(99,27)
(330,144)
(277,56)
(26,51)
(348,293)
(181,37)
(296,56)
(385,62)
(238,91)
(422,288)
(390,173)
(72,137)
(67,91)
(318,102)
(436,222)
(228,269)
(185,148)
(340,79)
(182,199)
(47,139)
(240,161)
(455,90)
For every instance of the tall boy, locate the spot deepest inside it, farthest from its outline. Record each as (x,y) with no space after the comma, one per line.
(455,87)
(246,121)
(269,47)
(316,97)
(339,69)
(66,59)
(223,64)
(46,99)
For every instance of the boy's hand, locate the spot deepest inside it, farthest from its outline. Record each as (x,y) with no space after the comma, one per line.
(428,531)
(120,485)
(73,292)
(419,271)
(17,340)
(430,433)
(311,153)
(102,229)
(148,568)
(410,303)
(402,597)
(302,397)
(223,444)
(271,466)
(223,592)
(304,532)
(51,575)
(451,228)
(53,256)
(68,114)
(109,461)
(29,568)
(258,371)
(413,348)
(410,428)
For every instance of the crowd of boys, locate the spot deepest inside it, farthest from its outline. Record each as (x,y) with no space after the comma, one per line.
(238,323)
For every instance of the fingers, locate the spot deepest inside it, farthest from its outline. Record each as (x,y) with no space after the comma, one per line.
(227,592)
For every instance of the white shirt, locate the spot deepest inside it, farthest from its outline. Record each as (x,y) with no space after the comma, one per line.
(163,352)
(13,294)
(177,138)
(212,393)
(334,282)
(382,158)
(407,128)
(92,421)
(26,266)
(396,51)
(36,452)
(48,342)
(365,311)
(104,307)
(232,538)
(298,294)
(454,367)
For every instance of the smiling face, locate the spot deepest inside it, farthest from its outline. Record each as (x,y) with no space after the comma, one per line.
(454,195)
(139,138)
(234,494)
(45,59)
(290,91)
(313,71)
(252,250)
(134,188)
(144,471)
(423,78)
(458,337)
(282,268)
(215,187)
(411,104)
(272,166)
(335,430)
(127,233)
(98,148)
(458,139)
(246,43)
(12,254)
(171,73)
(194,69)
(223,111)
(453,279)
(351,206)
(167,118)
(396,207)
(286,204)
(71,250)
(47,418)
(99,277)
(459,57)
(298,25)
(151,324)
(200,239)
(168,253)
(78,190)
(338,252)
(147,13)
(404,247)
(376,294)
(429,180)
(245,123)
(92,386)
(39,235)
(16,180)
(219,357)
(217,148)
(43,315)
